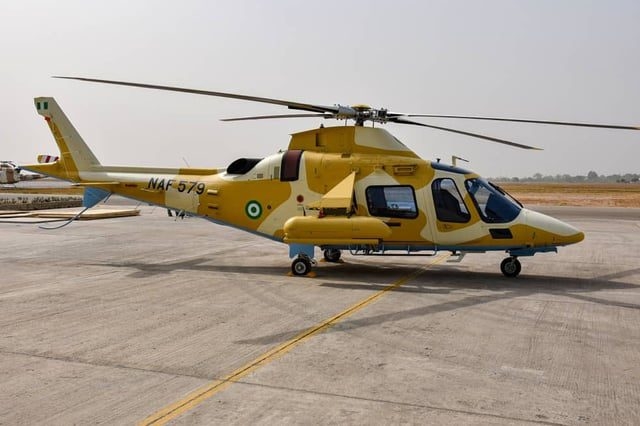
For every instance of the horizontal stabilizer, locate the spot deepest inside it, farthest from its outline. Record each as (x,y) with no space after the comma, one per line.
(43,159)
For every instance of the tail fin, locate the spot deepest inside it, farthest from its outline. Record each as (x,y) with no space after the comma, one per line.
(75,155)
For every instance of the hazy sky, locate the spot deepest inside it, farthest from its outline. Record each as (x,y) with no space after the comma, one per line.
(540,59)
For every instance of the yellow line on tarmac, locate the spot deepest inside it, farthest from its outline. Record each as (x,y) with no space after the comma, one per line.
(205,392)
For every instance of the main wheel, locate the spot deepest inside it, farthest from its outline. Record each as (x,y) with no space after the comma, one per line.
(332,255)
(511,267)
(301,266)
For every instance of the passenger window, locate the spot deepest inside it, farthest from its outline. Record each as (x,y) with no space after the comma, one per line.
(392,201)
(448,202)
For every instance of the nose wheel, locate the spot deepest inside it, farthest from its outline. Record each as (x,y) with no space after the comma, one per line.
(511,267)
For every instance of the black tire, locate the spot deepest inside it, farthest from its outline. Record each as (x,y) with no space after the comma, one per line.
(510,267)
(301,266)
(332,255)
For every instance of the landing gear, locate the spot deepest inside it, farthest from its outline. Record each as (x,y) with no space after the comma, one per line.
(332,255)
(302,265)
(511,267)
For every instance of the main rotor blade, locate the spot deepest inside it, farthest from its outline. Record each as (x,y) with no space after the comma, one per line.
(262,117)
(288,104)
(474,135)
(518,120)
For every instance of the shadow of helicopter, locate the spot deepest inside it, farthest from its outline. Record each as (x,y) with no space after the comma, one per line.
(445,280)
(438,279)
(342,272)
(378,276)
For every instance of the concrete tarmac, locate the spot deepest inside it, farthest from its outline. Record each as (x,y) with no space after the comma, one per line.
(151,319)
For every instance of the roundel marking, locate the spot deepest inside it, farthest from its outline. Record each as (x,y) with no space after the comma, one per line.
(253,209)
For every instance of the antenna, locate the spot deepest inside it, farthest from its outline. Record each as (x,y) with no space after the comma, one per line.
(455,157)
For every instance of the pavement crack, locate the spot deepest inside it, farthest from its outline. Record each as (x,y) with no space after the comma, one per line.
(62,358)
(400,403)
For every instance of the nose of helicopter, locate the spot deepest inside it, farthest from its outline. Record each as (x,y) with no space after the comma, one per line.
(552,230)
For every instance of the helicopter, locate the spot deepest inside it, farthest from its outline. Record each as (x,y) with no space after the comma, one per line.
(12,174)
(352,188)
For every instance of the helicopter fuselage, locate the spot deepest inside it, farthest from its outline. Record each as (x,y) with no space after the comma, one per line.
(349,187)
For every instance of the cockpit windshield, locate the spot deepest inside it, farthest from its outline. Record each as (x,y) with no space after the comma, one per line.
(506,194)
(492,203)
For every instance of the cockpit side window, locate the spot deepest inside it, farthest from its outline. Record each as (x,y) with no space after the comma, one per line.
(290,167)
(493,206)
(448,202)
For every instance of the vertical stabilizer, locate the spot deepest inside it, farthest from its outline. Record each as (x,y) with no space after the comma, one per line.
(75,155)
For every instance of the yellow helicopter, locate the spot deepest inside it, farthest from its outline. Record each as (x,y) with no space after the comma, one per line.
(351,187)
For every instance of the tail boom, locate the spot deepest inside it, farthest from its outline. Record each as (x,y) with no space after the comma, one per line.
(171,187)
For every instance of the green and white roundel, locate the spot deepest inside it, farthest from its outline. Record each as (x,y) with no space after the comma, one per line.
(253,209)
